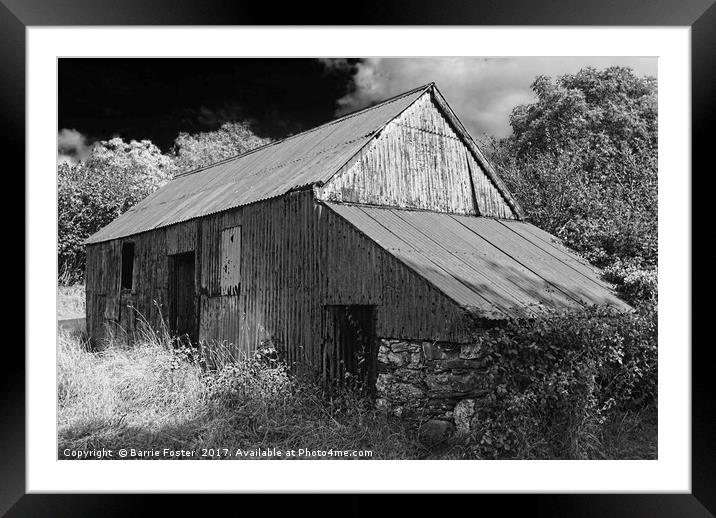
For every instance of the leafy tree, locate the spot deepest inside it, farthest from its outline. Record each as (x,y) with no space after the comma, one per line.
(604,112)
(118,174)
(582,162)
(202,149)
(115,176)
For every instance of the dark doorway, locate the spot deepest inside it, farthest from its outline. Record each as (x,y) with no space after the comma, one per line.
(183,319)
(353,330)
(127,265)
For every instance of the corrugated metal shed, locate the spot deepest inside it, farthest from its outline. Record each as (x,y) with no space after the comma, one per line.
(496,267)
(280,167)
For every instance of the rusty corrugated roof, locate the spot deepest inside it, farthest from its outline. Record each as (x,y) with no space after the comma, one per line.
(272,170)
(499,268)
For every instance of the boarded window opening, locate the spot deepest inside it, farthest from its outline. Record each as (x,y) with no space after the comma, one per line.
(230,281)
(127,265)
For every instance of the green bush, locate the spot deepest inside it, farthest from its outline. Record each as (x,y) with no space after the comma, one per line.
(560,378)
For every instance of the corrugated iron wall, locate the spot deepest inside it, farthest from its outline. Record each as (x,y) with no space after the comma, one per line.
(296,257)
(418,162)
(107,303)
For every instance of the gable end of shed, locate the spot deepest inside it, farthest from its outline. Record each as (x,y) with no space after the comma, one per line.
(422,159)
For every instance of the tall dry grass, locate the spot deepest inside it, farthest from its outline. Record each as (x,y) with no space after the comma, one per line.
(154,394)
(70,301)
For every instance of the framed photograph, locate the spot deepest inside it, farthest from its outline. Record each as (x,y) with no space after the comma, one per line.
(452,246)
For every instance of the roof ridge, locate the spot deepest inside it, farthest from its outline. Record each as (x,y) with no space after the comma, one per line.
(328,123)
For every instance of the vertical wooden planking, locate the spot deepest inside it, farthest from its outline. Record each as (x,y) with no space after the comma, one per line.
(418,161)
(494,203)
(230,260)
(296,257)
(407,306)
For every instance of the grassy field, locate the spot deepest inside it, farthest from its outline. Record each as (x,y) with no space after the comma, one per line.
(149,395)
(70,301)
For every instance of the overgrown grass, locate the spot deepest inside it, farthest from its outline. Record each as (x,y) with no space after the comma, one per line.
(630,435)
(70,301)
(152,394)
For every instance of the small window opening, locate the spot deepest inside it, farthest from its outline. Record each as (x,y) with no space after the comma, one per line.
(127,265)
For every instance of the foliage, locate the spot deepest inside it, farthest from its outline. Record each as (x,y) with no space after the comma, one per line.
(561,379)
(250,378)
(115,176)
(152,393)
(636,284)
(582,163)
(155,393)
(201,149)
(71,301)
(118,174)
(603,114)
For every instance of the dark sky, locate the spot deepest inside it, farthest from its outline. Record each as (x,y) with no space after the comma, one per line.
(157,98)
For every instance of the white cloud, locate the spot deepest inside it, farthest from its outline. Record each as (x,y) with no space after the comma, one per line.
(482,91)
(72,146)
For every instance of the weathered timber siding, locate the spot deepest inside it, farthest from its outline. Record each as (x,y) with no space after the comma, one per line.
(354,270)
(181,238)
(102,279)
(418,161)
(230,260)
(107,303)
(262,173)
(296,257)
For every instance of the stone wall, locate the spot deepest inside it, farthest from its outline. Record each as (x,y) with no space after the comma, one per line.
(436,384)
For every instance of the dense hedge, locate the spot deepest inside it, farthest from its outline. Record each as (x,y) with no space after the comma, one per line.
(560,378)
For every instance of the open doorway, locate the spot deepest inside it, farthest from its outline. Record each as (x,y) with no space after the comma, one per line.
(353,337)
(183,319)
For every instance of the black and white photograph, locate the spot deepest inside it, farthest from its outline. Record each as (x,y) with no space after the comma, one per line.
(378,258)
(447,248)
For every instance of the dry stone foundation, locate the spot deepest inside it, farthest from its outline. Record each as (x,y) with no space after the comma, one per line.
(439,385)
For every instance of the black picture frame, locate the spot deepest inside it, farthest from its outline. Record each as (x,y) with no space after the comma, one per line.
(700,15)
